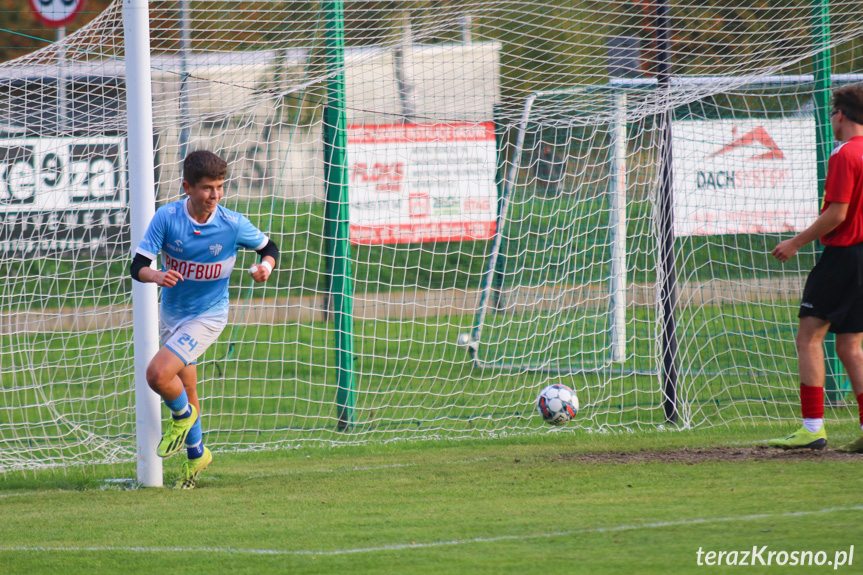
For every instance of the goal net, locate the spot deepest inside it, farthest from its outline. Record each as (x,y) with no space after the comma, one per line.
(508,168)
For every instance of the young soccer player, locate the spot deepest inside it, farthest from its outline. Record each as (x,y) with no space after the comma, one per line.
(833,294)
(198,240)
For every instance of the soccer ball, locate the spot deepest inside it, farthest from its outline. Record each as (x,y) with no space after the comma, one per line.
(557,404)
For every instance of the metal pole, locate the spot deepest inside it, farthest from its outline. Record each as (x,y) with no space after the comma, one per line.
(617,223)
(185,46)
(491,270)
(61,80)
(465,22)
(403,63)
(142,207)
(667,268)
(500,129)
(337,220)
(823,147)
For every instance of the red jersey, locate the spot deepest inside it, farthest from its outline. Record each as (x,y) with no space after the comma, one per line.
(844,185)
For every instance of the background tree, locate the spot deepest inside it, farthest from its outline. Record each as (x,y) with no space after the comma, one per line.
(21,32)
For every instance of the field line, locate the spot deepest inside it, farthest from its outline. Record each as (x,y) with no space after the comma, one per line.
(404,546)
(6,495)
(330,470)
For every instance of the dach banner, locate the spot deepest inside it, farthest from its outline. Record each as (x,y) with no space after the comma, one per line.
(744,177)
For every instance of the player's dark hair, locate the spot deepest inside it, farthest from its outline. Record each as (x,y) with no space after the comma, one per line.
(203,164)
(849,99)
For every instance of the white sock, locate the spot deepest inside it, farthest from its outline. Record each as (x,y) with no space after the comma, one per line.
(813,425)
(181,414)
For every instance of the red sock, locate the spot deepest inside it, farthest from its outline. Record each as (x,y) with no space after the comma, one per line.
(860,407)
(812,402)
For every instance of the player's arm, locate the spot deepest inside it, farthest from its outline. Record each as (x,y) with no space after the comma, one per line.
(147,251)
(142,272)
(829,219)
(269,256)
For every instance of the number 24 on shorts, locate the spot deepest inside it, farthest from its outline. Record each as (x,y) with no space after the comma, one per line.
(187,342)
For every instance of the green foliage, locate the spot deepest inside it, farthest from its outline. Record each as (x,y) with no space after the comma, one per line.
(553,45)
(21,32)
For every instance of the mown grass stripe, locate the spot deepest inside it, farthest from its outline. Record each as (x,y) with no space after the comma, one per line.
(453,542)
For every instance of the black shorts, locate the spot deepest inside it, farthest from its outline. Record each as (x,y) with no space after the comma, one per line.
(834,289)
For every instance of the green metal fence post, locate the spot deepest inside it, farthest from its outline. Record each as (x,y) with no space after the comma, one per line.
(337,223)
(824,144)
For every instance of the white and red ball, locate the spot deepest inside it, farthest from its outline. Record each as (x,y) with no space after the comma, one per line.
(557,404)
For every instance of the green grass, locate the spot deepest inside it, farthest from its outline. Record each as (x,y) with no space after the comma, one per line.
(561,502)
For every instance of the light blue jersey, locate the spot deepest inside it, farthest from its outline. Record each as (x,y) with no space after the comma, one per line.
(204,254)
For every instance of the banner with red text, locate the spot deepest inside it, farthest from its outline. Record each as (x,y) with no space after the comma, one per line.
(744,176)
(422,182)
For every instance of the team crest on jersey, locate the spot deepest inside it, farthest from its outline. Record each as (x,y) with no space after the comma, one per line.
(215,249)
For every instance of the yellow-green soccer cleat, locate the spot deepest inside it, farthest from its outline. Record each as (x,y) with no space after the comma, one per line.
(175,437)
(801,439)
(191,468)
(855,446)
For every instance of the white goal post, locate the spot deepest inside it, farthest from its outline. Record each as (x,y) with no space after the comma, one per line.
(142,207)
(617,227)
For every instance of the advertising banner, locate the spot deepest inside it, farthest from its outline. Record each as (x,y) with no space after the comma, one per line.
(744,177)
(422,182)
(61,194)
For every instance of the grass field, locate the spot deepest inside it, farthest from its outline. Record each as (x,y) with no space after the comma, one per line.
(554,503)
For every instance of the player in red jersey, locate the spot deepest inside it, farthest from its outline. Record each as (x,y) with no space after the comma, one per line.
(833,295)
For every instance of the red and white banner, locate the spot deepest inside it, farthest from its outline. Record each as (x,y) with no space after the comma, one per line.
(744,177)
(422,183)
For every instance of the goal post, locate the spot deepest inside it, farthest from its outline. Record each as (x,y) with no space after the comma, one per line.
(490,298)
(617,224)
(142,208)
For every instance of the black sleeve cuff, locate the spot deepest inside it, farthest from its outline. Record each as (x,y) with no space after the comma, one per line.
(138,263)
(269,250)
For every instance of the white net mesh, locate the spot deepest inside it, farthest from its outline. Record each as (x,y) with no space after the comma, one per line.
(435,99)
